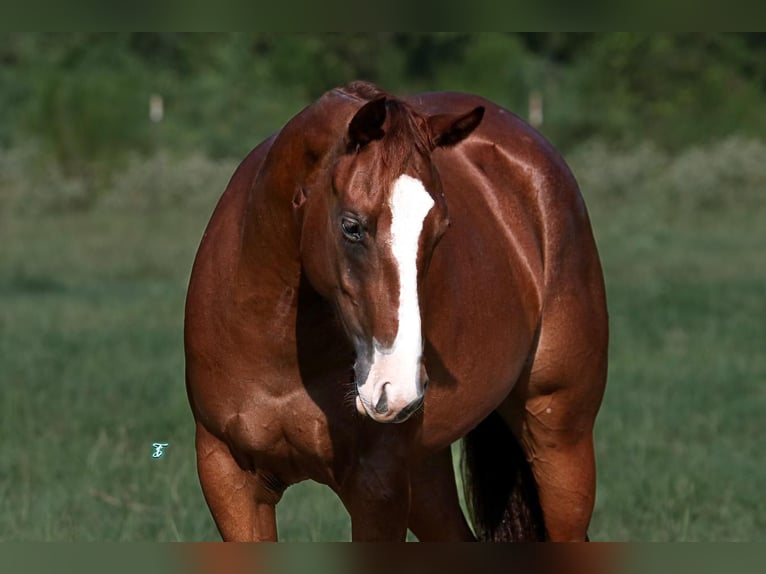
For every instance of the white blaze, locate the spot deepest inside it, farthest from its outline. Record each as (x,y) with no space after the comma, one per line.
(399,365)
(410,204)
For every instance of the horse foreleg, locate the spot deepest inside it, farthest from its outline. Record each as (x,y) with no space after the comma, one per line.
(435,513)
(241,505)
(560,451)
(377,497)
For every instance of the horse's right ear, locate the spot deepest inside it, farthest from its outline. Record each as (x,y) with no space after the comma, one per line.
(367,124)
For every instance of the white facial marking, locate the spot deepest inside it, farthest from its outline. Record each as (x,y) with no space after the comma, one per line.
(410,204)
(399,365)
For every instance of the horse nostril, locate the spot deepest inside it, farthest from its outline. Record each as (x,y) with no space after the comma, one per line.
(381,407)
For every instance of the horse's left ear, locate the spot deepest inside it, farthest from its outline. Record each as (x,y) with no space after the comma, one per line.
(449,129)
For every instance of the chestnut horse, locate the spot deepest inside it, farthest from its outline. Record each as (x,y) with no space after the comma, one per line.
(426,261)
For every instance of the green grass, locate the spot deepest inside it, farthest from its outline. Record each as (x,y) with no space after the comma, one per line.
(91,373)
(679,432)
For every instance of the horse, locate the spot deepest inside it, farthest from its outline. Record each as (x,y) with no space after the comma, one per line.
(383,277)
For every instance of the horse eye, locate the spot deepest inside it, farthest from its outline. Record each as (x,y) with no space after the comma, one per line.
(352,229)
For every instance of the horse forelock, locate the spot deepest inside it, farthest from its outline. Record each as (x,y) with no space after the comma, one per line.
(406,133)
(404,128)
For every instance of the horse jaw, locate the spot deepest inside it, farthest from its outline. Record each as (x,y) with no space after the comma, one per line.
(394,374)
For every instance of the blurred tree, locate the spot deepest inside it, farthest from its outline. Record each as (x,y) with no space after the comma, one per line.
(673,88)
(559,47)
(89,107)
(85,95)
(495,65)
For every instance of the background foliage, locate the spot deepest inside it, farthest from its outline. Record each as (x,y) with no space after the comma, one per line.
(84,94)
(101,211)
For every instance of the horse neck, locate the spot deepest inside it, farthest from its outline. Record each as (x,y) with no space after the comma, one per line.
(270,237)
(271,230)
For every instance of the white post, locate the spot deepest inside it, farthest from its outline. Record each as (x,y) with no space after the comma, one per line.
(156,108)
(535,109)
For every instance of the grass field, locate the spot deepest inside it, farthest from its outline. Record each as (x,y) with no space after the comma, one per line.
(91,372)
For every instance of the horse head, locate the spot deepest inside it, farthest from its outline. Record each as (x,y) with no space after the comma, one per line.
(367,240)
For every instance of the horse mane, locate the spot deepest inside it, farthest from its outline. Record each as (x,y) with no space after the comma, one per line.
(362,90)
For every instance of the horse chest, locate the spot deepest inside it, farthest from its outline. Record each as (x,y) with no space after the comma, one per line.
(287,437)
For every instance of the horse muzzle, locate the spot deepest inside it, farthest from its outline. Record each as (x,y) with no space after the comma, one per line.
(387,406)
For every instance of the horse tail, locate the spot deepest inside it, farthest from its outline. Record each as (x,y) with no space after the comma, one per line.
(500,490)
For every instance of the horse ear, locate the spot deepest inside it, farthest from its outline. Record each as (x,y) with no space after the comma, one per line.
(367,124)
(449,129)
